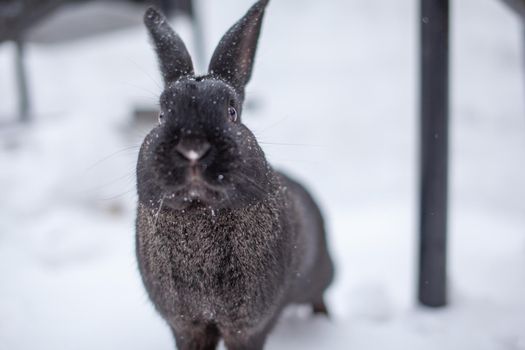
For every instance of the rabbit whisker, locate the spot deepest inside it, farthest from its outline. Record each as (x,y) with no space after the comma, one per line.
(158,212)
(255,186)
(289,144)
(127,149)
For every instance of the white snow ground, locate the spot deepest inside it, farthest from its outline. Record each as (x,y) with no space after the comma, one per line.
(336,86)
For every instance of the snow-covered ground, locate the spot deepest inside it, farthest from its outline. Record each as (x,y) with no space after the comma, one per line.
(335,87)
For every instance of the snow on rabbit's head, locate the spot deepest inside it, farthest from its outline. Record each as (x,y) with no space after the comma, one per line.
(201,153)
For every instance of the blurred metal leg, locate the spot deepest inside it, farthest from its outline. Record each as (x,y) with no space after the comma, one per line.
(434,152)
(523,52)
(198,38)
(190,8)
(24,107)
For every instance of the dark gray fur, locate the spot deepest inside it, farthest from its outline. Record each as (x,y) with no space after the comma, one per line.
(223,251)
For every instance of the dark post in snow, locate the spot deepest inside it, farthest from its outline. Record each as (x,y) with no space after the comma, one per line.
(188,7)
(519,7)
(16,17)
(21,78)
(434,152)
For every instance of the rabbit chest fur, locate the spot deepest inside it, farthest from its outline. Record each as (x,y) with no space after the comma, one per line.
(227,266)
(233,267)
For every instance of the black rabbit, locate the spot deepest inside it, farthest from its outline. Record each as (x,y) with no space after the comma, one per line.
(224,242)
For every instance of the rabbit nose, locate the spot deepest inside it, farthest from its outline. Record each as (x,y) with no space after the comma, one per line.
(193,150)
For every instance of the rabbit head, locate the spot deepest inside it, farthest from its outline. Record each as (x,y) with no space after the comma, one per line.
(200,153)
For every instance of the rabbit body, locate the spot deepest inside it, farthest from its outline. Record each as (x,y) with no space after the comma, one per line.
(230,272)
(224,242)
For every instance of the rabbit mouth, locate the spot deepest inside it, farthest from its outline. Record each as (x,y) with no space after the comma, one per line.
(195,192)
(198,189)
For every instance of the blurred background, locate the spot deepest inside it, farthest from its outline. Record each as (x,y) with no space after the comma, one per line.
(333,102)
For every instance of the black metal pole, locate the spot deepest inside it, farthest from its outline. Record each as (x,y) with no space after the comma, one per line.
(523,51)
(190,8)
(434,152)
(198,38)
(24,107)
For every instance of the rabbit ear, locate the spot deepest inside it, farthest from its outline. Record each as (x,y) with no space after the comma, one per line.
(233,58)
(174,59)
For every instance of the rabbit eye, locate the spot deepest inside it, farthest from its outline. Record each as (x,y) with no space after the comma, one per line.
(232,112)
(161,118)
